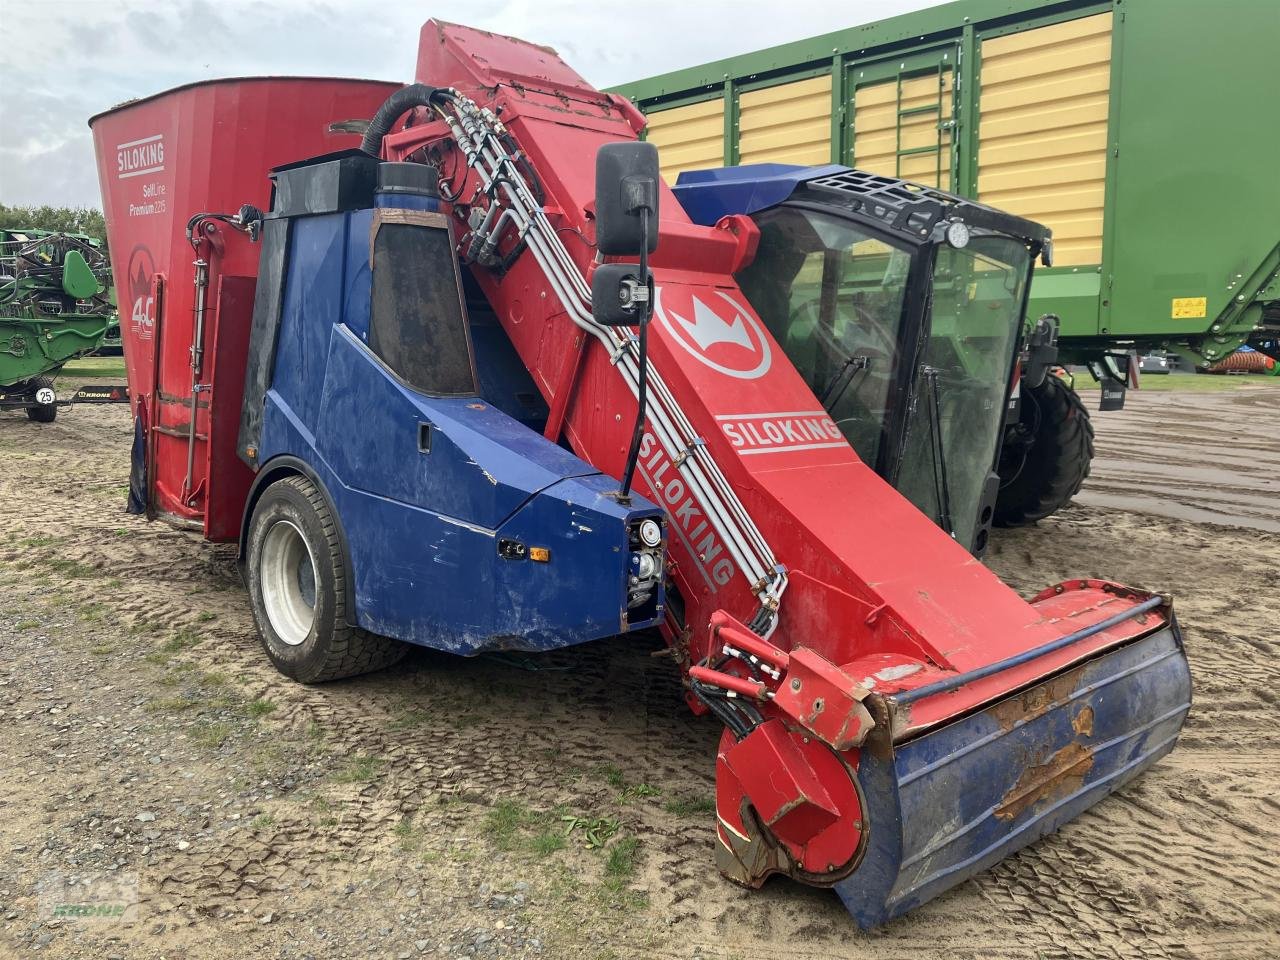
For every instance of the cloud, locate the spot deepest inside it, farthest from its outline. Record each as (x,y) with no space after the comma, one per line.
(63,61)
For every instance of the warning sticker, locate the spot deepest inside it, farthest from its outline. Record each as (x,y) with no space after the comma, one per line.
(1189,308)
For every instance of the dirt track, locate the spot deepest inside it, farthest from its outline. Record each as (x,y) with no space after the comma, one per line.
(146,742)
(1203,457)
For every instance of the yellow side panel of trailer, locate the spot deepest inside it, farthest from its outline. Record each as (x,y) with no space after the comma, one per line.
(1042,130)
(688,138)
(787,123)
(895,117)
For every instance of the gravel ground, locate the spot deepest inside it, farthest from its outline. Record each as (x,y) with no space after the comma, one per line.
(167,794)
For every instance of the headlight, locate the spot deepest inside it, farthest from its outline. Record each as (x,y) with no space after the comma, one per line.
(957,234)
(646,566)
(650,533)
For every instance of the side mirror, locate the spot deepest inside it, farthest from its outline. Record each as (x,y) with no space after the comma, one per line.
(627,199)
(619,297)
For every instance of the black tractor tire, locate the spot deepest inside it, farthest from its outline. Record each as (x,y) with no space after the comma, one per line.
(42,412)
(1046,457)
(297,574)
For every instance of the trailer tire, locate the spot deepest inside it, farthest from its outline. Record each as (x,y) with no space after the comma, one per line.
(298,589)
(43,412)
(1046,457)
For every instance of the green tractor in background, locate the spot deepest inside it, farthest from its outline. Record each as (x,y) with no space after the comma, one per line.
(55,305)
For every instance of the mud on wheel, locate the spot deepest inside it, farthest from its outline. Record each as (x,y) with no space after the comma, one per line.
(1046,456)
(298,589)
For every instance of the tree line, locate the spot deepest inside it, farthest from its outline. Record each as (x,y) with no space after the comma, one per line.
(84,220)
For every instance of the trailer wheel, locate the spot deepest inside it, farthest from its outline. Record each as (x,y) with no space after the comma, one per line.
(1046,455)
(298,589)
(45,408)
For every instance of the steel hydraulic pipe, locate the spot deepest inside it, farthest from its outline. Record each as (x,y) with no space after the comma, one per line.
(960,679)
(484,150)
(197,366)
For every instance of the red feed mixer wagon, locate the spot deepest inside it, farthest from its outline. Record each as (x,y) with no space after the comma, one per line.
(896,718)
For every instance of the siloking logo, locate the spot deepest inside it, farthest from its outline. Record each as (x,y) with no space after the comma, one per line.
(139,157)
(717,330)
(689,523)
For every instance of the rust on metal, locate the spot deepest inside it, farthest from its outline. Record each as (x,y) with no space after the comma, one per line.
(748,860)
(1058,776)
(1036,701)
(1082,722)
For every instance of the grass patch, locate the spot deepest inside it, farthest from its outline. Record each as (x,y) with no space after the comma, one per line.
(612,775)
(179,673)
(322,806)
(259,708)
(408,718)
(548,842)
(503,821)
(172,705)
(27,624)
(512,826)
(73,569)
(93,612)
(1188,383)
(206,616)
(183,639)
(103,650)
(408,834)
(639,791)
(620,865)
(690,806)
(94,367)
(263,820)
(212,734)
(360,769)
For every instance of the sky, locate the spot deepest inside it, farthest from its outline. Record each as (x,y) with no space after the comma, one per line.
(61,61)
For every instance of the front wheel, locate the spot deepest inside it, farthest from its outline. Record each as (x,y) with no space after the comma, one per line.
(1046,456)
(298,589)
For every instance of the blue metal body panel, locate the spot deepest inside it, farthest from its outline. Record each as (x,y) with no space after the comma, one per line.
(960,798)
(422,527)
(504,379)
(357,277)
(708,195)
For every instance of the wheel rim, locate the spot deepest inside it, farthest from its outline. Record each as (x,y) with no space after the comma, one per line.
(287,576)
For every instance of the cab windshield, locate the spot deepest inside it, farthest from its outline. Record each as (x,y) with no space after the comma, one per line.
(834,297)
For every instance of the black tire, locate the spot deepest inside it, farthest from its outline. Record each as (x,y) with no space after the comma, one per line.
(326,647)
(42,412)
(1046,457)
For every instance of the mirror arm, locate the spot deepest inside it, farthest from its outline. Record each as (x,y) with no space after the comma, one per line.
(642,391)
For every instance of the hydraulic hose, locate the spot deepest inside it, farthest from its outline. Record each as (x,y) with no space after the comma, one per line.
(392,109)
